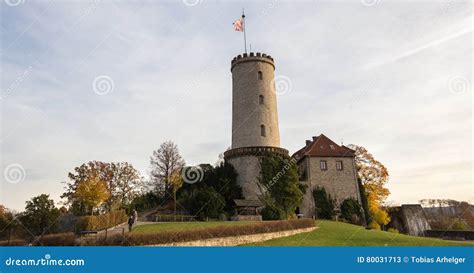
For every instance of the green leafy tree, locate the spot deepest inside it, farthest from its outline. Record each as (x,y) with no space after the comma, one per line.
(40,215)
(279,185)
(351,210)
(207,203)
(324,203)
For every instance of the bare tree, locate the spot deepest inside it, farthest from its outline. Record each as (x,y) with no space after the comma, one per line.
(164,162)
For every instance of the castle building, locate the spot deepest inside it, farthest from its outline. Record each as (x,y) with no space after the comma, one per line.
(324,163)
(255,133)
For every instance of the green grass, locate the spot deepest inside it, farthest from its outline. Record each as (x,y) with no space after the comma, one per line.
(330,233)
(178,226)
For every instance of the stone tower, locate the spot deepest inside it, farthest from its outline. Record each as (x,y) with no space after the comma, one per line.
(255,131)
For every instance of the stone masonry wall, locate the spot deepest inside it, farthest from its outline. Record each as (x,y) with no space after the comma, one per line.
(247,113)
(340,184)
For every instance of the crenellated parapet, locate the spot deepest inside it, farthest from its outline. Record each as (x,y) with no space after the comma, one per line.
(252,57)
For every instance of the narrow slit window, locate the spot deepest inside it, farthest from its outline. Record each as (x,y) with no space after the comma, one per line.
(260,99)
(262,130)
(260,76)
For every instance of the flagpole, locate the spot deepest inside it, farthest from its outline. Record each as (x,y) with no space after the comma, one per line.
(245,26)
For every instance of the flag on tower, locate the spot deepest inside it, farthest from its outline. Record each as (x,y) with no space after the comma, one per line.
(239,25)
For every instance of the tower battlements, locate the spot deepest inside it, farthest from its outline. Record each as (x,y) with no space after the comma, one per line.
(252,57)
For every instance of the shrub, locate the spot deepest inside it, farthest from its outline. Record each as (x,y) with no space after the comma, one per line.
(207,203)
(167,237)
(98,222)
(13,242)
(58,239)
(279,182)
(393,230)
(374,225)
(270,213)
(324,204)
(351,211)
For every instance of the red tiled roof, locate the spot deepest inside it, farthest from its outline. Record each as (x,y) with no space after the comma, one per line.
(323,146)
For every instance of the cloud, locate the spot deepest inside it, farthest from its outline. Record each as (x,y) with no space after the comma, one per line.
(170,67)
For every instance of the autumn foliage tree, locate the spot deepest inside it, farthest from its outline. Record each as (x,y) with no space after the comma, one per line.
(373,175)
(92,192)
(117,184)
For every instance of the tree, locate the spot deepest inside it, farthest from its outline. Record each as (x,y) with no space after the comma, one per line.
(175,181)
(351,211)
(92,170)
(6,221)
(125,185)
(122,182)
(40,215)
(207,203)
(373,175)
(164,162)
(92,193)
(324,204)
(279,185)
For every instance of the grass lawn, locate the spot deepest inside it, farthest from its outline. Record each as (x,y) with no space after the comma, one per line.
(177,226)
(330,233)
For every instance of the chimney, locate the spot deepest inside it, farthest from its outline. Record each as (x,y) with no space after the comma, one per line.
(308,142)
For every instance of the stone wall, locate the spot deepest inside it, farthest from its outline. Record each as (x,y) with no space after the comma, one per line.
(340,184)
(240,240)
(247,112)
(248,170)
(409,219)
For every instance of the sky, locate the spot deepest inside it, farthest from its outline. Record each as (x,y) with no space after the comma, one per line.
(112,80)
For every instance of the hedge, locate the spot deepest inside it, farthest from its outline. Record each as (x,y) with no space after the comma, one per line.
(58,239)
(166,237)
(103,221)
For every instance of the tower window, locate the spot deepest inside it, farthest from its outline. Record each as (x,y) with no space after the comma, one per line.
(260,76)
(339,165)
(262,130)
(323,165)
(260,99)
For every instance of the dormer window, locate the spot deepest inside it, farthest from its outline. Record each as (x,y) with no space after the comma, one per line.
(260,99)
(260,76)
(262,130)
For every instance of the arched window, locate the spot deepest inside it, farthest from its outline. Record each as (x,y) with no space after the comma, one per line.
(260,99)
(260,76)
(262,130)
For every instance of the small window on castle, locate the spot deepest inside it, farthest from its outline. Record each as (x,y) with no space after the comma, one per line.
(260,99)
(260,76)
(262,130)
(339,165)
(323,165)
(332,147)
